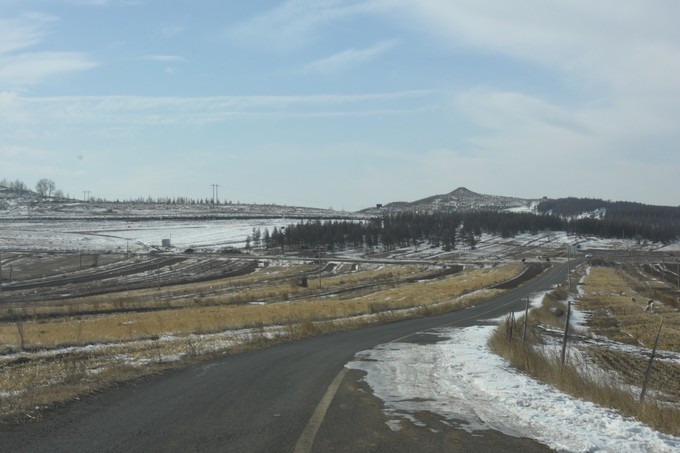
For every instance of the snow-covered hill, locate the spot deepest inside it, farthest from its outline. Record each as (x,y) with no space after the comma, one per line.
(461,199)
(28,205)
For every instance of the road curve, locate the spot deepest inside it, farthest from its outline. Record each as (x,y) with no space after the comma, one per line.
(256,401)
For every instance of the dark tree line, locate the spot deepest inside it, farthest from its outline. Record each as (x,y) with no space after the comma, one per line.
(622,219)
(569,207)
(387,232)
(173,201)
(448,230)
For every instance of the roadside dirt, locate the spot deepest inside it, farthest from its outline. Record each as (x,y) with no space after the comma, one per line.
(355,422)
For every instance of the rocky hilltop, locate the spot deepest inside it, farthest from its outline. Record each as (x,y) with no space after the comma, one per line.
(461,199)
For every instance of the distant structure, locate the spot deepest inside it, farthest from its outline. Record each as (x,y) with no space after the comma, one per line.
(379,205)
(165,243)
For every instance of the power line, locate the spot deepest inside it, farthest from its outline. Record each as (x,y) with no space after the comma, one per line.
(215,193)
(276,196)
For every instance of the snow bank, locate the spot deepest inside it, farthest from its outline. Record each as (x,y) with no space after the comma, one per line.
(463,381)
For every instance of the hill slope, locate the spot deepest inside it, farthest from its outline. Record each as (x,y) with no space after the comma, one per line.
(461,199)
(28,205)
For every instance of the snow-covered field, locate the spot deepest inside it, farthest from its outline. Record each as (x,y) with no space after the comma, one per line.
(31,206)
(531,246)
(461,380)
(140,236)
(72,235)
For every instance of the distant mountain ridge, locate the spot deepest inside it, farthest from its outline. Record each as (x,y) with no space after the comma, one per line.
(462,199)
(29,205)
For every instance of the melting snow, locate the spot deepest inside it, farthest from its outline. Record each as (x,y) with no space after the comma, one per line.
(463,381)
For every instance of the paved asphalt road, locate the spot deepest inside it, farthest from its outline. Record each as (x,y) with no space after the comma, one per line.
(259,401)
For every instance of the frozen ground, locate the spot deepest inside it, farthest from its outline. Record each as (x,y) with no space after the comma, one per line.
(29,205)
(73,235)
(530,246)
(461,380)
(139,236)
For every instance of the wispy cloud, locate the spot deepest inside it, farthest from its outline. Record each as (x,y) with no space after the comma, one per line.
(105,2)
(35,67)
(621,62)
(347,58)
(171,30)
(626,47)
(22,32)
(295,21)
(529,143)
(165,58)
(20,67)
(136,110)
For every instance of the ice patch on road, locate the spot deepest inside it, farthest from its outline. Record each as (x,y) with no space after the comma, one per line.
(462,380)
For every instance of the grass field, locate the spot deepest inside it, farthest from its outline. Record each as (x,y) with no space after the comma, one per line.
(609,355)
(58,355)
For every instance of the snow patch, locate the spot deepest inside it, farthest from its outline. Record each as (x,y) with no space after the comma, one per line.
(462,380)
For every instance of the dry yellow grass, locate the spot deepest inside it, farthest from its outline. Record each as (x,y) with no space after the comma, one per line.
(615,310)
(272,282)
(570,379)
(173,296)
(40,379)
(608,296)
(552,310)
(130,326)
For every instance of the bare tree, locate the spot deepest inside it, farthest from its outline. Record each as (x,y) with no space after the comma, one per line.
(45,187)
(18,186)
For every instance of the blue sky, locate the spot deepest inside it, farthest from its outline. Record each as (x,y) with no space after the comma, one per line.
(342,104)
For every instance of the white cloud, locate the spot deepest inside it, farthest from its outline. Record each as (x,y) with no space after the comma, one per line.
(295,22)
(165,58)
(136,110)
(171,30)
(34,67)
(630,46)
(347,58)
(22,32)
(105,2)
(622,59)
(8,152)
(532,129)
(12,108)
(21,68)
(602,150)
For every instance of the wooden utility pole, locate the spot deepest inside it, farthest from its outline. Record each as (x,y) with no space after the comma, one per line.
(526,320)
(649,365)
(319,251)
(568,269)
(512,325)
(566,332)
